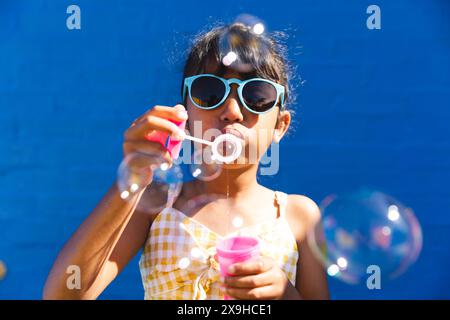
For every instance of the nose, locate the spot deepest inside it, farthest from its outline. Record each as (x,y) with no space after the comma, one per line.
(231,111)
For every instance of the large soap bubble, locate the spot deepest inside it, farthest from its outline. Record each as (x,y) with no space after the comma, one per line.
(363,229)
(162,181)
(244,48)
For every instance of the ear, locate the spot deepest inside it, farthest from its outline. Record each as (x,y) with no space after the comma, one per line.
(282,125)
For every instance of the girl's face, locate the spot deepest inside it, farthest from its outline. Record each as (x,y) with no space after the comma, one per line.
(256,132)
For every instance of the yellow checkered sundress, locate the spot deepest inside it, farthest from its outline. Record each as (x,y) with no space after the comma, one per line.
(179,257)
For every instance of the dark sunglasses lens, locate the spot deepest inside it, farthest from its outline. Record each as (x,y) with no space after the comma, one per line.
(259,96)
(207,91)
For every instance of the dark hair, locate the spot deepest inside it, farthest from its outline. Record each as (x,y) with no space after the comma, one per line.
(268,62)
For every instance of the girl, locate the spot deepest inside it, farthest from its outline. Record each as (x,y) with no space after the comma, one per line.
(116,229)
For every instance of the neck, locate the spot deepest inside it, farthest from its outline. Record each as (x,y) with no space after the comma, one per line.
(236,182)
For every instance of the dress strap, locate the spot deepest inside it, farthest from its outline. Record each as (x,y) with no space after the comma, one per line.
(281,199)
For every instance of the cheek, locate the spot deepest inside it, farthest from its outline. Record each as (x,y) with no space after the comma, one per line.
(261,136)
(201,120)
(265,127)
(195,114)
(257,143)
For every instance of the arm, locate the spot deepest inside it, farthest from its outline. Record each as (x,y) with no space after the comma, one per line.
(114,231)
(101,247)
(311,279)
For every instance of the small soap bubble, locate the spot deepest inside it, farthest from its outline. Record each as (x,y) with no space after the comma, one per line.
(203,167)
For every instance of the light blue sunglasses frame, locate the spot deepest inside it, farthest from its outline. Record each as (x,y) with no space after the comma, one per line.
(227,82)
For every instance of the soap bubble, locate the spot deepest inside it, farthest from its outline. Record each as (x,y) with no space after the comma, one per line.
(226,148)
(136,172)
(2,270)
(203,167)
(244,49)
(162,182)
(362,229)
(256,24)
(163,191)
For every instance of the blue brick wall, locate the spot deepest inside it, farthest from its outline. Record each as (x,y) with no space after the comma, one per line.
(373,111)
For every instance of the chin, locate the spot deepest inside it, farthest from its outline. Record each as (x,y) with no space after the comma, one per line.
(238,164)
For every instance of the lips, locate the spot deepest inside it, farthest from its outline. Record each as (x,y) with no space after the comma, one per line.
(234,132)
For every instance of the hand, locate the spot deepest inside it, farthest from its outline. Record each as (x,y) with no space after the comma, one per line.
(154,120)
(259,279)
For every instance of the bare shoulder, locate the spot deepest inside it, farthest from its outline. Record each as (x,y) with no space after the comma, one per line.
(302,214)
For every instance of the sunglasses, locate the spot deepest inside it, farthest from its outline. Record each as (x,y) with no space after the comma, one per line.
(257,95)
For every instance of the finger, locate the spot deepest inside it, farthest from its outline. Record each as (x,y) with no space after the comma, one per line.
(150,124)
(250,267)
(176,113)
(254,281)
(267,292)
(180,107)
